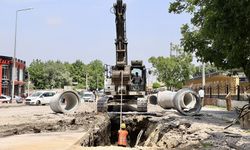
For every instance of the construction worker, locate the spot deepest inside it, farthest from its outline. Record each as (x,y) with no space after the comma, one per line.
(202,94)
(137,79)
(122,137)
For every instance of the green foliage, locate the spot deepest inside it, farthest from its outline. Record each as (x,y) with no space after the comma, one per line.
(37,74)
(220,31)
(55,74)
(209,68)
(78,72)
(173,71)
(49,74)
(96,74)
(156,85)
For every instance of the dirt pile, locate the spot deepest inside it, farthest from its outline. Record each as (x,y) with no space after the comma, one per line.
(171,132)
(77,121)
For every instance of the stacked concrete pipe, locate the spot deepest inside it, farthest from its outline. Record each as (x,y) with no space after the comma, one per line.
(186,101)
(65,102)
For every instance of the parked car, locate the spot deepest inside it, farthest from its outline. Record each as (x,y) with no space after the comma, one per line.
(101,93)
(88,97)
(40,98)
(5,99)
(18,99)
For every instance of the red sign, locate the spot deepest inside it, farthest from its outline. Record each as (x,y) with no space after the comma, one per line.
(5,61)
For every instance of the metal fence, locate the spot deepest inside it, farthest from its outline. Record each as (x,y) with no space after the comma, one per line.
(240,93)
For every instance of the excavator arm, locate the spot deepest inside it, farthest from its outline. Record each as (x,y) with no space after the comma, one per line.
(121,39)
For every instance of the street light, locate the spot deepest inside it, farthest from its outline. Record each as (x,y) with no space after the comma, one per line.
(14,57)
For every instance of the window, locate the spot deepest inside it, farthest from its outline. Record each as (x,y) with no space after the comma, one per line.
(136,70)
(5,71)
(48,94)
(15,75)
(36,94)
(20,74)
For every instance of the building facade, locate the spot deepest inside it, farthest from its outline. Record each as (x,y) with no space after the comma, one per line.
(6,67)
(221,84)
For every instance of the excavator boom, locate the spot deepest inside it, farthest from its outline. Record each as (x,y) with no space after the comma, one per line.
(121,39)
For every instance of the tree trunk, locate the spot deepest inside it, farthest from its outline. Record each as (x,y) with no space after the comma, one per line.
(246,69)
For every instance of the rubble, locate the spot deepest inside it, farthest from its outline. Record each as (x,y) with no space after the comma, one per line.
(167,131)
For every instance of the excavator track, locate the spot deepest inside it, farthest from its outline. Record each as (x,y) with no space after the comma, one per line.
(103,105)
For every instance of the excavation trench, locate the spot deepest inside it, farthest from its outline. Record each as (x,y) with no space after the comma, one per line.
(107,134)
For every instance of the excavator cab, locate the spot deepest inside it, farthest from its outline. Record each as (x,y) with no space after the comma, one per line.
(138,77)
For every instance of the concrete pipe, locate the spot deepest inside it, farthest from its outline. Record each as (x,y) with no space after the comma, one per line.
(65,102)
(186,101)
(153,99)
(165,99)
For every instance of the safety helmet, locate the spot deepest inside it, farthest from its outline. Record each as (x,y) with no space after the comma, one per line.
(123,125)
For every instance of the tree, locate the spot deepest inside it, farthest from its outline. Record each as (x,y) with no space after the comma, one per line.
(78,72)
(37,74)
(96,74)
(56,75)
(49,74)
(156,85)
(220,31)
(210,68)
(173,71)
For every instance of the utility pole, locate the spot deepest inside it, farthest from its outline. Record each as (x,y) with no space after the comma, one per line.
(86,81)
(171,49)
(14,56)
(28,83)
(203,75)
(96,80)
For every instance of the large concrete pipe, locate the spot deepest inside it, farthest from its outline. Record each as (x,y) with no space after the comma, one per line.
(165,99)
(65,102)
(152,99)
(186,101)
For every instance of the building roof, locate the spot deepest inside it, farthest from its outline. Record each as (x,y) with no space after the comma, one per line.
(10,58)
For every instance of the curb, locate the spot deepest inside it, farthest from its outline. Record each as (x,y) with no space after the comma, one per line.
(11,105)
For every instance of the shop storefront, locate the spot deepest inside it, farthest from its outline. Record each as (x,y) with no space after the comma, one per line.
(6,67)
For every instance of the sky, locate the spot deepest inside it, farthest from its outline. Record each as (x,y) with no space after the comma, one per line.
(70,30)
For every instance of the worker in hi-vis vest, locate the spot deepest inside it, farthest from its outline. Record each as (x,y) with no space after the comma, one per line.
(122,136)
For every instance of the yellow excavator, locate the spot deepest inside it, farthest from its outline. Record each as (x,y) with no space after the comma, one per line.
(127,83)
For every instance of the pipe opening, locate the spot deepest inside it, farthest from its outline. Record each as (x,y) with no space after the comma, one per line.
(185,101)
(68,101)
(188,101)
(65,102)
(153,99)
